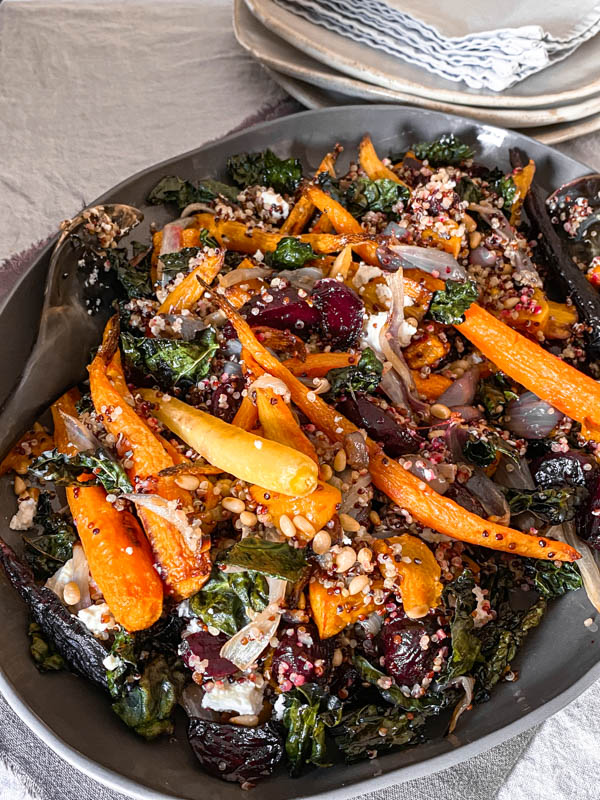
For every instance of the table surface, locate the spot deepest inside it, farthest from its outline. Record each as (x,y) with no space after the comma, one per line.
(92,91)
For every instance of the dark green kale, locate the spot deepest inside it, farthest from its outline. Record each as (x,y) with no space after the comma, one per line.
(290,253)
(361,377)
(443,151)
(84,405)
(483,450)
(134,273)
(170,361)
(494,393)
(308,713)
(551,580)
(147,705)
(48,551)
(123,649)
(449,305)
(44,655)
(504,186)
(382,194)
(265,169)
(172,189)
(331,186)
(468,191)
(65,470)
(370,730)
(465,643)
(223,600)
(551,505)
(276,559)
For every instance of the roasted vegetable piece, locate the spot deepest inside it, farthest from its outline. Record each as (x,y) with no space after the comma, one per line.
(317,365)
(374,166)
(185,566)
(341,312)
(381,425)
(404,658)
(187,293)
(242,454)
(277,559)
(82,652)
(420,585)
(30,445)
(318,507)
(431,387)
(303,209)
(372,730)
(343,222)
(551,379)
(423,503)
(331,612)
(204,646)
(265,169)
(279,424)
(118,554)
(235,753)
(308,712)
(301,657)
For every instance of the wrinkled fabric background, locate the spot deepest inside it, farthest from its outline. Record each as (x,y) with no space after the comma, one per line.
(92,91)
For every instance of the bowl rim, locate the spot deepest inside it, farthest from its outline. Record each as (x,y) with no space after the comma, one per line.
(436,763)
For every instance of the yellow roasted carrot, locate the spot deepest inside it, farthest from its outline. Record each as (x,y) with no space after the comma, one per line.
(407,491)
(250,458)
(184,567)
(278,422)
(373,165)
(187,293)
(118,553)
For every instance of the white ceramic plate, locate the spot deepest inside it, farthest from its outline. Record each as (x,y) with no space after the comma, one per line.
(277,54)
(314,97)
(575,78)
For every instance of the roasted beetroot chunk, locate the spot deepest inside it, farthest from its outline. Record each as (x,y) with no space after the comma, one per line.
(397,440)
(203,646)
(285,309)
(341,311)
(301,657)
(408,656)
(233,752)
(223,404)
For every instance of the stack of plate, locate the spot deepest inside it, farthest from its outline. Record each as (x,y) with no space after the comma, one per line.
(320,68)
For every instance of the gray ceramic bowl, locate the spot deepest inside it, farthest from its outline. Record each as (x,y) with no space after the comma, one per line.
(559,659)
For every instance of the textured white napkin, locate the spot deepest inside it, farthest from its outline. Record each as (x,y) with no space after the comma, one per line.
(91,92)
(461,41)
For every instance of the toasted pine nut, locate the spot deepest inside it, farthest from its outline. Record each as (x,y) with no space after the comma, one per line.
(358,583)
(247,720)
(338,657)
(339,462)
(470,224)
(286,526)
(248,518)
(71,593)
(304,525)
(365,554)
(375,518)
(348,523)
(345,559)
(474,240)
(189,482)
(20,485)
(440,411)
(321,543)
(326,472)
(233,504)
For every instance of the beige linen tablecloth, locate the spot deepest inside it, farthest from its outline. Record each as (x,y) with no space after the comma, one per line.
(92,91)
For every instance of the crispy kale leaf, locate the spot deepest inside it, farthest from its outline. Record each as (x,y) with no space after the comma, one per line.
(308,712)
(468,190)
(361,377)
(504,186)
(174,263)
(494,393)
(483,450)
(147,705)
(170,361)
(445,150)
(42,652)
(223,600)
(49,550)
(290,253)
(465,643)
(379,195)
(172,189)
(449,305)
(123,648)
(265,169)
(134,273)
(276,559)
(369,730)
(65,470)
(551,505)
(551,580)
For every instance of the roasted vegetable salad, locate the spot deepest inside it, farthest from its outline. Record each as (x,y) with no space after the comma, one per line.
(337,455)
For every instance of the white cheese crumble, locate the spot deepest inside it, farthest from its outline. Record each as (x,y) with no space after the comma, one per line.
(364,274)
(407,331)
(244,697)
(276,207)
(269,382)
(23,519)
(112,662)
(92,618)
(375,325)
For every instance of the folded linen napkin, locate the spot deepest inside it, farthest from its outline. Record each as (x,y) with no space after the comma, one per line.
(461,43)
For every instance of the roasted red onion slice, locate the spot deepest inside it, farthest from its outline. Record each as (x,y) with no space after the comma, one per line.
(436,262)
(462,391)
(528,417)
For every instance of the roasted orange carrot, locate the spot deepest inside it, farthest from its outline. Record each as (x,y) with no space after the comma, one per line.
(187,293)
(432,386)
(423,503)
(237,236)
(318,507)
(343,222)
(118,553)
(373,165)
(323,225)
(317,365)
(31,444)
(278,422)
(523,178)
(246,417)
(301,213)
(184,568)
(564,387)
(449,242)
(115,373)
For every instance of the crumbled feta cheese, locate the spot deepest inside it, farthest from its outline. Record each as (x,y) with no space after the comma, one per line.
(269,382)
(112,662)
(23,519)
(375,324)
(279,707)
(276,207)
(364,274)
(98,619)
(244,697)
(407,331)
